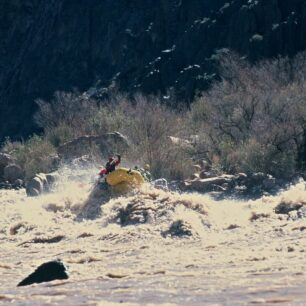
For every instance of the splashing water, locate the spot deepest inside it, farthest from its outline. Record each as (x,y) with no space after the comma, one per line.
(151,246)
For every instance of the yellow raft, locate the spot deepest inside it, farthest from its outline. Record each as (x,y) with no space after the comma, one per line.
(123,180)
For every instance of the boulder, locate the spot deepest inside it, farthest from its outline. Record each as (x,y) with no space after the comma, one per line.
(33,192)
(269,183)
(286,208)
(210,184)
(113,142)
(18,184)
(241,178)
(13,172)
(256,179)
(52,178)
(179,142)
(46,272)
(37,185)
(5,185)
(161,184)
(205,166)
(197,168)
(34,187)
(41,183)
(5,160)
(194,176)
(206,174)
(106,144)
(179,228)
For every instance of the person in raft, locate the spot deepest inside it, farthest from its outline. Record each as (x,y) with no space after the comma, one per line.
(110,165)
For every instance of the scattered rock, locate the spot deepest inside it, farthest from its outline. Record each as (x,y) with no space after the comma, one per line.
(6,185)
(34,187)
(256,216)
(197,168)
(210,184)
(41,183)
(5,160)
(33,192)
(134,213)
(18,184)
(285,208)
(13,172)
(290,249)
(205,166)
(179,228)
(46,272)
(161,184)
(241,185)
(52,178)
(299,228)
(85,235)
(20,227)
(179,142)
(54,239)
(206,174)
(269,182)
(194,176)
(232,226)
(293,215)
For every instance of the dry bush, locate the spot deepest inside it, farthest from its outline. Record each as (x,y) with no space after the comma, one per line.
(255,117)
(146,122)
(34,156)
(149,126)
(71,109)
(71,115)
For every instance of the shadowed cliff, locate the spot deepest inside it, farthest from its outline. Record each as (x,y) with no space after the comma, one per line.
(149,46)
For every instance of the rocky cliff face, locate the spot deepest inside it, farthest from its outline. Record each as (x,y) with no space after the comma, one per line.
(142,45)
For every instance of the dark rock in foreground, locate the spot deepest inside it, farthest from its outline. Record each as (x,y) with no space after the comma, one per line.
(46,272)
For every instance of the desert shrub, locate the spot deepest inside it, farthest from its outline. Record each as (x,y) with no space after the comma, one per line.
(106,119)
(254,119)
(146,122)
(70,115)
(149,126)
(253,156)
(72,109)
(60,134)
(34,156)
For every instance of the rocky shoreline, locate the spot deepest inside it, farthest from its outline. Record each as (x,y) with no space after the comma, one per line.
(204,181)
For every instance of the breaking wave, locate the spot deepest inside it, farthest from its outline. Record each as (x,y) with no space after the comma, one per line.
(137,233)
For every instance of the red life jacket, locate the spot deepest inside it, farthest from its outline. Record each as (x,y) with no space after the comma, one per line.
(103,172)
(110,166)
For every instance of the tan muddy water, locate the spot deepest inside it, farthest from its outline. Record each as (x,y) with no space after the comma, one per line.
(232,253)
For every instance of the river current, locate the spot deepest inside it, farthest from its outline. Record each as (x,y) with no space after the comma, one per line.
(151,247)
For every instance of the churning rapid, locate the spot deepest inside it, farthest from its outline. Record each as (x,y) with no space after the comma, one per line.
(152,247)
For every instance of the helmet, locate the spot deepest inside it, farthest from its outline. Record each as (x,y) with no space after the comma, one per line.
(147,167)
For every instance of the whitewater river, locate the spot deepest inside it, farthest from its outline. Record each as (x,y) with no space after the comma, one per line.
(152,248)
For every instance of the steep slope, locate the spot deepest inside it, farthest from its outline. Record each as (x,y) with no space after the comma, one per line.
(142,45)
